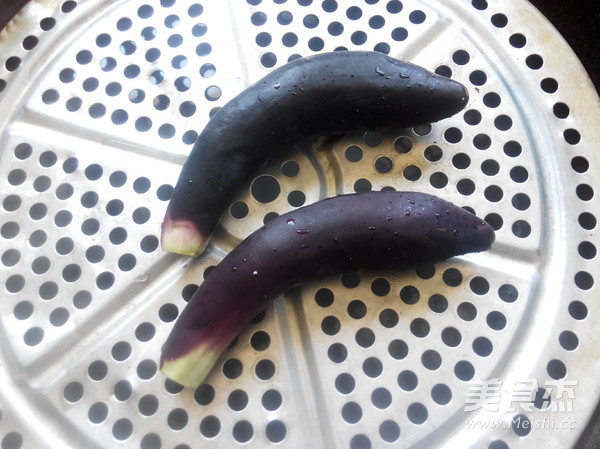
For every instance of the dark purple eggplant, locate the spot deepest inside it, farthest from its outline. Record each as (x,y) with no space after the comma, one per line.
(306,99)
(347,233)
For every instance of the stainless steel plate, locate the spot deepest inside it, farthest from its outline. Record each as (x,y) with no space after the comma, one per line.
(99,105)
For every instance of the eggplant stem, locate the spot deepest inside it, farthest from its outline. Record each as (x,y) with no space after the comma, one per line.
(182,237)
(192,369)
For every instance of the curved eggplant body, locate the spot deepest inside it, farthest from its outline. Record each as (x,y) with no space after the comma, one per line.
(357,232)
(325,94)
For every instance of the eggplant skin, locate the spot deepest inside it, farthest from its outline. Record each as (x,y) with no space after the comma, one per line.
(356,232)
(325,94)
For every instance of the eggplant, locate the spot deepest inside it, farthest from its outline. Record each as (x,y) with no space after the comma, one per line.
(306,99)
(384,230)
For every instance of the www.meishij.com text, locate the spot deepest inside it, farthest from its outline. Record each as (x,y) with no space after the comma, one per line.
(520,422)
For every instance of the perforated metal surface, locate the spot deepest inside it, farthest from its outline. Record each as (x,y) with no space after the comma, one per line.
(99,105)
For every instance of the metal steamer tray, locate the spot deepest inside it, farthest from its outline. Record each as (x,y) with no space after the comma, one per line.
(99,105)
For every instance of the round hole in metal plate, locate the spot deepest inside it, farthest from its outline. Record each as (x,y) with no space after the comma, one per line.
(381,398)
(464,370)
(82,299)
(410,294)
(357,309)
(433,153)
(441,394)
(243,431)
(121,351)
(345,383)
(17,177)
(122,429)
(15,283)
(271,400)
(97,412)
(63,218)
(265,188)
(296,198)
(372,367)
(123,390)
(145,332)
(71,272)
(398,349)
(431,359)
(187,108)
(97,370)
(149,243)
(148,405)
(451,336)
(568,340)
(151,441)
(117,235)
(534,62)
(276,431)
(496,320)
(212,93)
(587,250)
(412,173)
(237,400)
(59,316)
(38,211)
(265,369)
(482,346)
(324,297)
(146,369)
(232,368)
(419,327)
(472,117)
(23,310)
(177,419)
(204,394)
(352,412)
(73,391)
(199,30)
(210,426)
(407,380)
(389,431)
(353,153)
(48,290)
(417,413)
(11,257)
(40,265)
(478,78)
(388,318)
